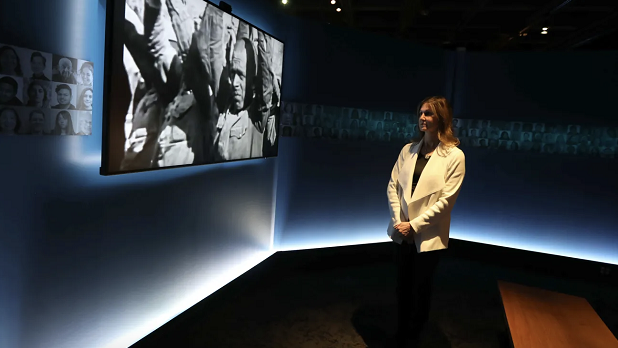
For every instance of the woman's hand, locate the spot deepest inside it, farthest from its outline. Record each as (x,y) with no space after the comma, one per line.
(404,228)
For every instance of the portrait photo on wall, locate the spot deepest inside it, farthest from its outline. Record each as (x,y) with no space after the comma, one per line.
(34,86)
(189,84)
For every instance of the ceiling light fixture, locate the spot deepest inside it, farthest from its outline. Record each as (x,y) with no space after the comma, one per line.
(333,2)
(545,28)
(544,32)
(284,1)
(338,9)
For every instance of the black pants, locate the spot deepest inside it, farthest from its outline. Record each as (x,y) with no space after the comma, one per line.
(414,284)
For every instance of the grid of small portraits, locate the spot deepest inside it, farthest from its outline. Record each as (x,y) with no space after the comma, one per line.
(44,93)
(338,123)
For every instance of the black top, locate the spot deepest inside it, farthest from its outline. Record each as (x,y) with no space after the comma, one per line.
(421,162)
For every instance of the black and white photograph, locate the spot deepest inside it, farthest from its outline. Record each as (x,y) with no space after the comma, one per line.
(308,120)
(216,80)
(286,131)
(37,65)
(64,96)
(37,93)
(11,61)
(84,123)
(287,114)
(35,121)
(28,88)
(85,96)
(10,123)
(549,138)
(539,127)
(505,135)
(64,122)
(85,73)
(354,114)
(11,90)
(64,69)
(318,111)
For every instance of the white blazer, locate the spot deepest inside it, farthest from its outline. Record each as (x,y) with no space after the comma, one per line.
(428,209)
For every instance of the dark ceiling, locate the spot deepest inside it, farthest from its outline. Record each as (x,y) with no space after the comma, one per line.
(477,25)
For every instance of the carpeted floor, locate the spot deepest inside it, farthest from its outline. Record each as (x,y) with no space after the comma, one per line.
(354,306)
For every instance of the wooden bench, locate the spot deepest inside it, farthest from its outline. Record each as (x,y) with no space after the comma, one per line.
(540,318)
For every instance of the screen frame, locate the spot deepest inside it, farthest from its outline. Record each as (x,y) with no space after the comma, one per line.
(113,33)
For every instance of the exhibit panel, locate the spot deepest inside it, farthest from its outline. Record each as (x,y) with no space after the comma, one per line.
(190,84)
(43,93)
(354,124)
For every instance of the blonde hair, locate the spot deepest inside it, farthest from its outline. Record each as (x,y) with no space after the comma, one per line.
(441,107)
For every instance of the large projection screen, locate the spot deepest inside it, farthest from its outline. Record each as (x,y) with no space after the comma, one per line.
(187,84)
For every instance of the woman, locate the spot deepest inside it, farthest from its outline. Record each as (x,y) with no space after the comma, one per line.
(64,124)
(86,74)
(420,207)
(37,94)
(9,62)
(9,121)
(85,100)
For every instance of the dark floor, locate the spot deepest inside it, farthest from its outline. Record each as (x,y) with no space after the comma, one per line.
(292,301)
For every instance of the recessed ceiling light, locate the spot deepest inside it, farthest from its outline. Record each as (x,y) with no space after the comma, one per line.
(544,32)
(545,28)
(338,9)
(333,1)
(284,1)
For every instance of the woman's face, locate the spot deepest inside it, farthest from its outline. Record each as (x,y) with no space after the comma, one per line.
(8,61)
(8,121)
(87,76)
(427,121)
(88,99)
(62,122)
(37,94)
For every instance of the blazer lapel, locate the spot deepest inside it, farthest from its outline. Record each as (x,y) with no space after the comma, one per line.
(407,171)
(432,178)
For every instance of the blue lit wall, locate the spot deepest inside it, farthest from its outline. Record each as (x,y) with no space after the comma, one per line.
(92,261)
(556,204)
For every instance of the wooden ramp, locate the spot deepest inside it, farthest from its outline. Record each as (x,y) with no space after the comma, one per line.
(540,318)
